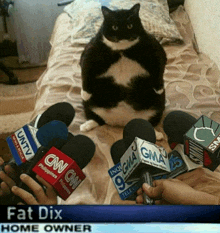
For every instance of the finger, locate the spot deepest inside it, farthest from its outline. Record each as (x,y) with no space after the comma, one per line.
(5,190)
(192,181)
(185,175)
(6,179)
(20,203)
(139,199)
(24,195)
(153,192)
(34,186)
(11,173)
(197,173)
(140,191)
(9,169)
(1,161)
(50,190)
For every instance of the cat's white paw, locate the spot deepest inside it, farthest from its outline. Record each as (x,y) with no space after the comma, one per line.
(159,135)
(159,92)
(85,95)
(88,125)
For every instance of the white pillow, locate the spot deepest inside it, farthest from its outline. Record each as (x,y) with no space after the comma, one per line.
(205,19)
(87,18)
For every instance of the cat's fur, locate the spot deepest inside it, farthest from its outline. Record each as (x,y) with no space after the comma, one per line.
(122,72)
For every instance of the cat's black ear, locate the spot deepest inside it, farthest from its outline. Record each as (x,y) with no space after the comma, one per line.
(135,9)
(105,11)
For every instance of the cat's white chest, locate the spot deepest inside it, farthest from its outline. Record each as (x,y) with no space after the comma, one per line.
(124,70)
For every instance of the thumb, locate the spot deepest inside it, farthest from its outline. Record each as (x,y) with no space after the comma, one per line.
(153,192)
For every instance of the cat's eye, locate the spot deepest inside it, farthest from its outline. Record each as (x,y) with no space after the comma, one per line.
(115,28)
(130,26)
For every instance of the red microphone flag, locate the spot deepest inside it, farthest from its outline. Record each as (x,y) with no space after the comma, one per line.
(60,171)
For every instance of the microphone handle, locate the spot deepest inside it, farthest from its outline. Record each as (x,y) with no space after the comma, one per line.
(147,178)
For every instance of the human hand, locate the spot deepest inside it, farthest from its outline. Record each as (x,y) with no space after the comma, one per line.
(42,198)
(175,191)
(202,179)
(8,178)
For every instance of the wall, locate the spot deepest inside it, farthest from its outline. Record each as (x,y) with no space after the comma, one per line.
(31,23)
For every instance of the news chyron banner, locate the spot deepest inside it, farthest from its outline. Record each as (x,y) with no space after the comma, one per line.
(109,228)
(85,218)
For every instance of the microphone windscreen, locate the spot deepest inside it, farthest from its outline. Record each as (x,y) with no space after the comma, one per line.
(138,128)
(54,133)
(176,124)
(117,150)
(80,148)
(62,111)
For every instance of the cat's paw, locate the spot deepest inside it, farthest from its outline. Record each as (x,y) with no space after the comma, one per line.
(88,125)
(85,95)
(159,92)
(159,136)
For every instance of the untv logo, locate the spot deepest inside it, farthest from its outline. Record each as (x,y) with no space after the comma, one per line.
(54,161)
(24,143)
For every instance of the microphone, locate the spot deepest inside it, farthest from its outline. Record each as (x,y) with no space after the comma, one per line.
(201,139)
(61,111)
(143,158)
(63,168)
(175,125)
(202,143)
(23,144)
(138,128)
(126,191)
(52,134)
(177,164)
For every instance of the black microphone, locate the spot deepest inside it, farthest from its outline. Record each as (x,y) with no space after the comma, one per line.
(81,148)
(138,128)
(175,125)
(117,150)
(143,158)
(61,111)
(126,191)
(63,168)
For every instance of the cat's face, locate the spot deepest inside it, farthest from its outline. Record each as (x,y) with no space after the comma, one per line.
(122,24)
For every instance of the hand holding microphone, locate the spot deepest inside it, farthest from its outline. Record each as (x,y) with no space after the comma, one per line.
(61,111)
(142,158)
(175,192)
(183,189)
(24,144)
(81,149)
(42,193)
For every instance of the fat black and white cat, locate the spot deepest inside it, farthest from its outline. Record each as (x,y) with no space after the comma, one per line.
(122,72)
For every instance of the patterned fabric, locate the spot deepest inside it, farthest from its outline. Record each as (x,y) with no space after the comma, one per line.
(87,18)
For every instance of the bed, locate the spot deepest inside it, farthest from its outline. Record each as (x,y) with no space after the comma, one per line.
(192,85)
